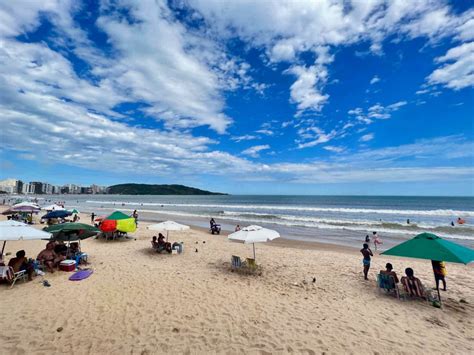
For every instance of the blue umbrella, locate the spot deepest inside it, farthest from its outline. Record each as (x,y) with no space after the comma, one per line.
(56,214)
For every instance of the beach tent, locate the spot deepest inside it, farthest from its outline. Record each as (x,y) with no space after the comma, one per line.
(431,247)
(252,235)
(118,221)
(167,226)
(69,232)
(13,230)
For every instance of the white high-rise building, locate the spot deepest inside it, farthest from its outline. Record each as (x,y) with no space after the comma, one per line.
(11,186)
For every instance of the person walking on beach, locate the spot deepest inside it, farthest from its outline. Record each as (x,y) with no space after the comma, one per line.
(135,215)
(92,217)
(367,239)
(376,240)
(367,253)
(439,269)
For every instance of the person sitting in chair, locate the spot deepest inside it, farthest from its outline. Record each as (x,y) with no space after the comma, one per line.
(389,271)
(21,263)
(162,244)
(49,257)
(412,284)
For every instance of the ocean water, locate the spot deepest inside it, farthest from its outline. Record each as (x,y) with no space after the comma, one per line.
(334,219)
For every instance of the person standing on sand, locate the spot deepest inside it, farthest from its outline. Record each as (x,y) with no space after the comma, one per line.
(237,228)
(367,253)
(135,215)
(367,239)
(439,269)
(92,217)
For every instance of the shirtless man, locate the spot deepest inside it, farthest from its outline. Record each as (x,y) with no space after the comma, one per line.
(21,263)
(49,257)
(389,271)
(367,253)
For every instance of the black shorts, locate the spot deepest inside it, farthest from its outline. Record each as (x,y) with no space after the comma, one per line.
(439,277)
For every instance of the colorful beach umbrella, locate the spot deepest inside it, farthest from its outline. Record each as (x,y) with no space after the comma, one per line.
(118,221)
(74,211)
(252,235)
(431,247)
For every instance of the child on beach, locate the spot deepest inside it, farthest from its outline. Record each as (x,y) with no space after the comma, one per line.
(367,253)
(376,240)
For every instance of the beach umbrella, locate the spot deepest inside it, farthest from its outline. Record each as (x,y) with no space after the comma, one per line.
(25,207)
(71,231)
(252,235)
(118,221)
(431,247)
(13,230)
(56,214)
(74,211)
(167,226)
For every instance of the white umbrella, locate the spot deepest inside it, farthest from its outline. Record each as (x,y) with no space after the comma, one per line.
(13,230)
(167,226)
(252,235)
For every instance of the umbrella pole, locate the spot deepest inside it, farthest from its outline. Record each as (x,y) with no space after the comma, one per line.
(253,251)
(167,236)
(3,249)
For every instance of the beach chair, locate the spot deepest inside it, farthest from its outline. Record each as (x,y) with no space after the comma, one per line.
(20,275)
(387,283)
(236,262)
(415,290)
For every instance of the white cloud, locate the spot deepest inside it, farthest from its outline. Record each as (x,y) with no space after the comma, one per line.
(255,150)
(334,149)
(376,111)
(458,71)
(306,90)
(266,132)
(374,80)
(315,136)
(246,137)
(366,137)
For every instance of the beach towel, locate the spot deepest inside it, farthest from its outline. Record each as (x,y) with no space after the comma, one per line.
(81,275)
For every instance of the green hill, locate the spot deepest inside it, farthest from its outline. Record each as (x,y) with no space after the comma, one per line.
(146,189)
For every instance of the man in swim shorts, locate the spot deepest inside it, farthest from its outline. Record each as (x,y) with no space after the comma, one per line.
(367,253)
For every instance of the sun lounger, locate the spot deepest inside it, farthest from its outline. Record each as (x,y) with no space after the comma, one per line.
(387,283)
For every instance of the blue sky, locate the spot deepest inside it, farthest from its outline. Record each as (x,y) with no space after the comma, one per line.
(306,97)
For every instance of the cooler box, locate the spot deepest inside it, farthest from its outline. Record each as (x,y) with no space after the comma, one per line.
(67,265)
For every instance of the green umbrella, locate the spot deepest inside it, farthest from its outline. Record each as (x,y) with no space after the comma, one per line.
(117,215)
(431,247)
(71,231)
(74,211)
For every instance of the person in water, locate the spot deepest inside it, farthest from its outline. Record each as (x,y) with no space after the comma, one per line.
(367,239)
(367,253)
(461,221)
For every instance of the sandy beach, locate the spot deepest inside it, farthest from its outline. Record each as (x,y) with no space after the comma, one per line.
(141,302)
